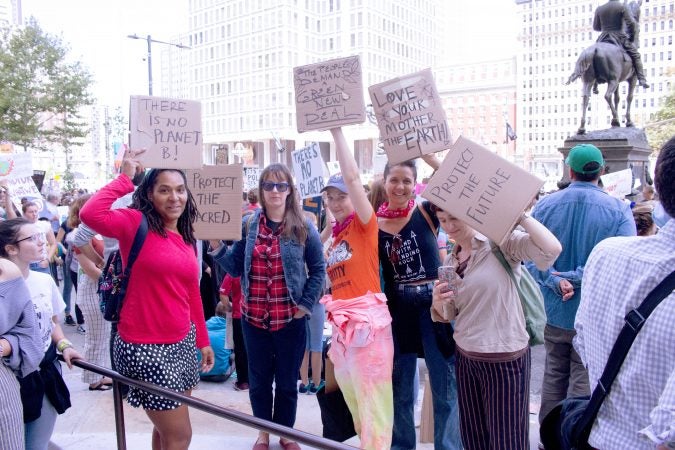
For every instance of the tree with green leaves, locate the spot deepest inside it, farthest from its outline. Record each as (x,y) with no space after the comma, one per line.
(662,127)
(41,92)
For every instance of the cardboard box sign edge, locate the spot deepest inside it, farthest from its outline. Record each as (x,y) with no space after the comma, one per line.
(184,163)
(319,127)
(462,142)
(398,157)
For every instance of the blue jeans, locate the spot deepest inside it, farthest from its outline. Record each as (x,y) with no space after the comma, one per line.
(274,357)
(443,388)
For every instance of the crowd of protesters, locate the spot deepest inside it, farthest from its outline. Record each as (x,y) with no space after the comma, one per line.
(385,309)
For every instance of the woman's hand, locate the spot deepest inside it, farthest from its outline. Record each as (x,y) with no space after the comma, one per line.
(207,359)
(299,314)
(70,354)
(130,165)
(443,303)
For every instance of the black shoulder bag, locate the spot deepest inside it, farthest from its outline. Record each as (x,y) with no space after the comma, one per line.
(568,425)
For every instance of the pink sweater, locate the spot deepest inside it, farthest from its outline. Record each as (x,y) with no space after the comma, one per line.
(163,292)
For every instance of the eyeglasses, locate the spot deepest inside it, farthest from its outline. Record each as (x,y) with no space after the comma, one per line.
(269,186)
(37,237)
(396,244)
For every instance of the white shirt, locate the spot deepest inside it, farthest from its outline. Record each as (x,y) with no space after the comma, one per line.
(47,302)
(639,412)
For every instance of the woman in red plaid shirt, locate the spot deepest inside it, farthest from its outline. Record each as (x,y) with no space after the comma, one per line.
(280,262)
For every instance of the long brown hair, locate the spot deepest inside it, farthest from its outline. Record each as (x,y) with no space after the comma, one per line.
(294,219)
(74,211)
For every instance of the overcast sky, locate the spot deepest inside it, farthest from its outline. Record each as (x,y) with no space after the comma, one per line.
(96,31)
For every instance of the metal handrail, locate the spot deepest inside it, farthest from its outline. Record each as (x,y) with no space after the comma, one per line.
(226,413)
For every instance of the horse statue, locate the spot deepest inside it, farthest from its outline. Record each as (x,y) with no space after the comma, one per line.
(604,62)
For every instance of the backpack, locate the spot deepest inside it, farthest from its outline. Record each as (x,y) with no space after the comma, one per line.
(531,299)
(112,284)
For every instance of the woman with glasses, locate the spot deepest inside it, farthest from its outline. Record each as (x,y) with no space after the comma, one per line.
(362,349)
(161,321)
(31,212)
(20,351)
(408,251)
(44,393)
(280,262)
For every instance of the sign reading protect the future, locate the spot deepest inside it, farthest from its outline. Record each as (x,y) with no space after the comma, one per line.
(169,129)
(217,191)
(482,189)
(329,94)
(410,116)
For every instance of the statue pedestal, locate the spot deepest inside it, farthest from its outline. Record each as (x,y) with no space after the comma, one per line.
(622,148)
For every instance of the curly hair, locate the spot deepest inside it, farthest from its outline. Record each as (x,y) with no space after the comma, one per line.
(294,219)
(74,211)
(141,201)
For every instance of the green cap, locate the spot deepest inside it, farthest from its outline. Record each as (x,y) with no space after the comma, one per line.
(582,154)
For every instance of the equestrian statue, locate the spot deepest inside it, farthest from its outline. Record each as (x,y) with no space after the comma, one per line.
(612,59)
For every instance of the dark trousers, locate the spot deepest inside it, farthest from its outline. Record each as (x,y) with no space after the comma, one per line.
(494,400)
(274,358)
(240,357)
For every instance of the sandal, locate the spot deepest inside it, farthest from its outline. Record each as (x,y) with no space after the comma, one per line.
(100,386)
(289,445)
(261,445)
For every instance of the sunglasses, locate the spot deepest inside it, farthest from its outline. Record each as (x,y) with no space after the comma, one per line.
(269,186)
(37,237)
(396,244)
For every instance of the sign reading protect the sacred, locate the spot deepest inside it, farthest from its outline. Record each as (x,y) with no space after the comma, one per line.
(482,189)
(410,116)
(308,170)
(16,169)
(217,190)
(169,129)
(329,94)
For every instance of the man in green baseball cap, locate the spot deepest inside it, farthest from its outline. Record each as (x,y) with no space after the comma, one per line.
(580,216)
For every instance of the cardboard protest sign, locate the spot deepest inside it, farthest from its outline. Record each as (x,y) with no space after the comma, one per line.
(17,171)
(618,184)
(329,94)
(482,189)
(217,191)
(170,129)
(410,116)
(308,170)
(251,178)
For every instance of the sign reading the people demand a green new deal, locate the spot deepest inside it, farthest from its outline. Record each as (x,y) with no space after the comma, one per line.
(169,129)
(308,169)
(217,190)
(329,94)
(410,116)
(482,189)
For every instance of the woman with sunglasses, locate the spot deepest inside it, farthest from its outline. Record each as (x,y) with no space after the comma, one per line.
(162,321)
(408,251)
(44,393)
(20,351)
(280,262)
(362,349)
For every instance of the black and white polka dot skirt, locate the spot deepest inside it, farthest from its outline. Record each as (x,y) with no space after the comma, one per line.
(173,366)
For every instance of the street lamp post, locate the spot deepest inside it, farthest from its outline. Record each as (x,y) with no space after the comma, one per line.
(150,40)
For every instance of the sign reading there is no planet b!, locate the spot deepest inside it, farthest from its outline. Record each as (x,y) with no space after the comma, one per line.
(329,94)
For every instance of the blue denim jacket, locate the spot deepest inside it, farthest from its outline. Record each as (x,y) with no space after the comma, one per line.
(580,216)
(303,264)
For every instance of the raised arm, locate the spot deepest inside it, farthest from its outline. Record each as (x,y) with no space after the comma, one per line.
(350,175)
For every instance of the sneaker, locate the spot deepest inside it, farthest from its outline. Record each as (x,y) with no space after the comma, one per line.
(80,329)
(69,320)
(240,386)
(313,388)
(304,388)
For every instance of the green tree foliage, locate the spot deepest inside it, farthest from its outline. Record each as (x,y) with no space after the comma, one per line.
(662,126)
(41,93)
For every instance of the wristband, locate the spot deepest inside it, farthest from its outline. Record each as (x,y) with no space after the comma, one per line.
(63,344)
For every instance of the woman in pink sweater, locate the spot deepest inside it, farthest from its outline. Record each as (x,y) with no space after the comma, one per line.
(162,319)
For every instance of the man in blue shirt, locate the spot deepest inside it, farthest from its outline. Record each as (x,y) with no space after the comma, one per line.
(580,216)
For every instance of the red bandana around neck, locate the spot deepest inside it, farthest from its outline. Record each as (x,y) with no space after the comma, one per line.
(384,211)
(339,227)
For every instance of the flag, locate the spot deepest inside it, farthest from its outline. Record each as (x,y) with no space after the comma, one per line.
(510,133)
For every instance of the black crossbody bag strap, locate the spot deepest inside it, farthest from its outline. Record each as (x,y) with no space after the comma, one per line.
(635,319)
(139,239)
